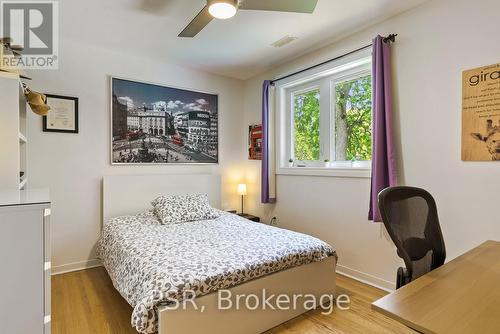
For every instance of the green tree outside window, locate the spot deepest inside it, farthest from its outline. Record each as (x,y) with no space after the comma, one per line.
(306,128)
(352,121)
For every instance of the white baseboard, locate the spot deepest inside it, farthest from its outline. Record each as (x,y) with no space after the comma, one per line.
(366,278)
(75,266)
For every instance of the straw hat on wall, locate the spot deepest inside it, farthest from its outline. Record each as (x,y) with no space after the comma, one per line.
(37,101)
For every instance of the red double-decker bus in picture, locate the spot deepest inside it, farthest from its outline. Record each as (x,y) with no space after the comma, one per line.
(177,140)
(134,135)
(255,142)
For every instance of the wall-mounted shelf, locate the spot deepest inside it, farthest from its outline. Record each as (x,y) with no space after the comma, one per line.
(13,130)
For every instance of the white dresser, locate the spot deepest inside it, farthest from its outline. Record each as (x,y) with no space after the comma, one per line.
(25,262)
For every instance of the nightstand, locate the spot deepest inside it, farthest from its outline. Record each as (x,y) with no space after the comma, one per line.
(249,217)
(246,215)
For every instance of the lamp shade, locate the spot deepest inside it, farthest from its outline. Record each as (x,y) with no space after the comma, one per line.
(242,189)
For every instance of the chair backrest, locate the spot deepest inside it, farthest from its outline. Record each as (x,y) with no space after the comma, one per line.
(411,219)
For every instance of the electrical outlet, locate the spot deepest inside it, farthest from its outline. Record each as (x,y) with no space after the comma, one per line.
(273,221)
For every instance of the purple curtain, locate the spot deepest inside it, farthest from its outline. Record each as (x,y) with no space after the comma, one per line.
(383,154)
(266,170)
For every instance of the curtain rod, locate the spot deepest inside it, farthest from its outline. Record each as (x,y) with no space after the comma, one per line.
(391,38)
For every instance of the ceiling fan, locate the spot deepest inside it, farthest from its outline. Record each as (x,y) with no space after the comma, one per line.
(224,9)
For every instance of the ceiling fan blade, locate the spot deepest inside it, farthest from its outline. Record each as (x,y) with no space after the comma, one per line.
(197,24)
(296,6)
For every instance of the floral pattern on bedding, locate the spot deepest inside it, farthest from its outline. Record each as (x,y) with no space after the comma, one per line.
(149,262)
(175,209)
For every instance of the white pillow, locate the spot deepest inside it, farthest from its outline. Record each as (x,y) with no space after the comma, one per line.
(174,209)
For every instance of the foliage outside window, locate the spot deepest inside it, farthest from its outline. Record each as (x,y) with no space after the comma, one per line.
(306,125)
(331,119)
(353,119)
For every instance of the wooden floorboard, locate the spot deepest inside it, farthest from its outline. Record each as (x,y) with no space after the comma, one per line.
(86,302)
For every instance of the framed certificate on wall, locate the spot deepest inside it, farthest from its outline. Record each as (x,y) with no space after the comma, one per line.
(63,114)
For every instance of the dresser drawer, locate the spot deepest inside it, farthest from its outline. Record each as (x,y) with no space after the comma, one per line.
(22,286)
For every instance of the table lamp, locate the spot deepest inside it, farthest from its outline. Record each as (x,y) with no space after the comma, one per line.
(242,191)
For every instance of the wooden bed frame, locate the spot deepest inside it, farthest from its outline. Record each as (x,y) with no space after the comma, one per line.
(129,194)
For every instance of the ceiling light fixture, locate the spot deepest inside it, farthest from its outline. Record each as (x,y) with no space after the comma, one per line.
(222,9)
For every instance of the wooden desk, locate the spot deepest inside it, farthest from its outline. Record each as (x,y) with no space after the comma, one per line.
(462,296)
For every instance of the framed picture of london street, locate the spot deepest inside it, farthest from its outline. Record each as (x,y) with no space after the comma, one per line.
(155,124)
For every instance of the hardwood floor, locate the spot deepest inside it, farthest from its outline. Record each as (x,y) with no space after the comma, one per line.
(86,302)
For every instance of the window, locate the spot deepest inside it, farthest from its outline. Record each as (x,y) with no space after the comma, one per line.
(306,125)
(353,119)
(325,119)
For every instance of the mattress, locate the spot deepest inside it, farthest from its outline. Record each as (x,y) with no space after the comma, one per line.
(151,264)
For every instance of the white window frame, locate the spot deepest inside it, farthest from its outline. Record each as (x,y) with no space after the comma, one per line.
(297,90)
(324,77)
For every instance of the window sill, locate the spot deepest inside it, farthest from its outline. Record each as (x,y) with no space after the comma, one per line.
(352,172)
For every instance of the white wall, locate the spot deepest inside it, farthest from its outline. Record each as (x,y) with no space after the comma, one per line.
(436,42)
(72,165)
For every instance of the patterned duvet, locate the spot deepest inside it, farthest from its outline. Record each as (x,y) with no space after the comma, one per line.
(150,263)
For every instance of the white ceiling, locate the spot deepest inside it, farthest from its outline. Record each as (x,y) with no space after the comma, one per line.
(239,47)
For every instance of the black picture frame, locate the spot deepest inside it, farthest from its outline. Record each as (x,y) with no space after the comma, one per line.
(61,97)
(156,124)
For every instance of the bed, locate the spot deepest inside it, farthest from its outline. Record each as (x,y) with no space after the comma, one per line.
(154,266)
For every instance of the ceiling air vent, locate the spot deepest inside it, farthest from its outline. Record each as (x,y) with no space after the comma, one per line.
(284,41)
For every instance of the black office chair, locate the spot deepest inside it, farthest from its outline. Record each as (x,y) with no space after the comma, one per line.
(410,216)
